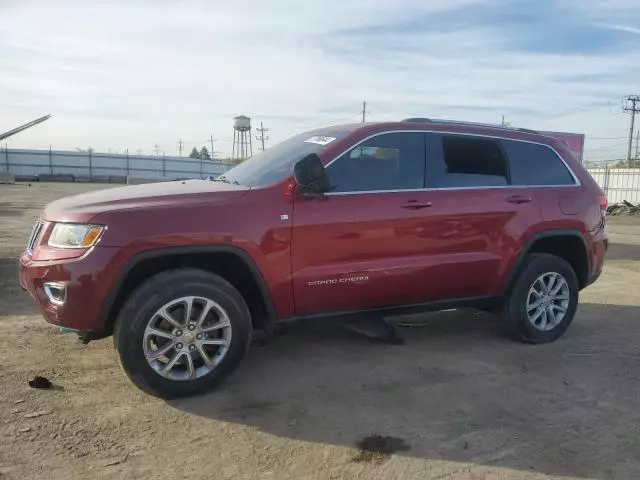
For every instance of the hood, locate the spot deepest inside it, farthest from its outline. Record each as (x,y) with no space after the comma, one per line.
(86,206)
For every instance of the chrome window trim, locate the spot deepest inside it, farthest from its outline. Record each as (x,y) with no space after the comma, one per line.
(36,231)
(495,137)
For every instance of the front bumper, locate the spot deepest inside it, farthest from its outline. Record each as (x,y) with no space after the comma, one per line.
(86,281)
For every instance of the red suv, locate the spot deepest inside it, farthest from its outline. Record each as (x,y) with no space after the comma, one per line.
(386,218)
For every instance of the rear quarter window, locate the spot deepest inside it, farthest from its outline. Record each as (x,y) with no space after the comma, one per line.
(533,164)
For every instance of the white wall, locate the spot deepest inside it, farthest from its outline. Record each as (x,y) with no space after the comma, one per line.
(81,164)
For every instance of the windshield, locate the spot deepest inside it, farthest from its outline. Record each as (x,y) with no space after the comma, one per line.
(275,164)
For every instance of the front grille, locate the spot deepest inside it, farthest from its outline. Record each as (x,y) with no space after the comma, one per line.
(35,234)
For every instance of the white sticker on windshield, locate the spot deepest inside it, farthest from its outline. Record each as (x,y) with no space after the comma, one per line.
(320,140)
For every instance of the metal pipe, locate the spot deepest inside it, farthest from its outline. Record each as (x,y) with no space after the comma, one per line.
(24,127)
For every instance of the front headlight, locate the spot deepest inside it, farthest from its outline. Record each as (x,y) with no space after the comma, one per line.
(73,235)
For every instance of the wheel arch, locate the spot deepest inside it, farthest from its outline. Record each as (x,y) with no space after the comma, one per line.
(569,245)
(219,259)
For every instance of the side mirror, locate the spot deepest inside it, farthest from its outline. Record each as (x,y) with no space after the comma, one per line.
(310,175)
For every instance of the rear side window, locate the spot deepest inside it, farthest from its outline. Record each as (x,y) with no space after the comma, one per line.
(459,161)
(533,164)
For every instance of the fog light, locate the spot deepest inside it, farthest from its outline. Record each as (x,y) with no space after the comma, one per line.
(56,293)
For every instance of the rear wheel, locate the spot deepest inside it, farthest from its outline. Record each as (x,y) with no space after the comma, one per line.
(182,332)
(543,300)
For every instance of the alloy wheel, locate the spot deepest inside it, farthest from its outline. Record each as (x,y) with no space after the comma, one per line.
(187,338)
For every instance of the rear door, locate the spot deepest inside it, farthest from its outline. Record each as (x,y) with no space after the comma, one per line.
(477,220)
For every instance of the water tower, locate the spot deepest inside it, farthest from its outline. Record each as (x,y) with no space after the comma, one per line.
(242,147)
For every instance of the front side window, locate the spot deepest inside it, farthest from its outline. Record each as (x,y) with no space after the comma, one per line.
(460,162)
(534,164)
(387,162)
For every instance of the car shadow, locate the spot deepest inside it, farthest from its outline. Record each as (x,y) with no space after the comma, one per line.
(458,391)
(623,251)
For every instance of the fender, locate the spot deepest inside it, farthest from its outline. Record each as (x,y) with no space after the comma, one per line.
(515,269)
(172,251)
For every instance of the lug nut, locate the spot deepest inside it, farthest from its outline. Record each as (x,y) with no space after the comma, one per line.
(192,347)
(178,333)
(199,336)
(179,346)
(191,326)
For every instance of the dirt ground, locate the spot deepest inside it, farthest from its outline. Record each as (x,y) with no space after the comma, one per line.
(460,400)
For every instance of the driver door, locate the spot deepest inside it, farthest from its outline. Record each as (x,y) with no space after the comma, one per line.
(364,244)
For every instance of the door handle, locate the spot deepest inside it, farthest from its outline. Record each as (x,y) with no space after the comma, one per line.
(415,205)
(518,199)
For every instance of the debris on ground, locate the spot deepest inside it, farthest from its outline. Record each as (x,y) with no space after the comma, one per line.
(115,461)
(24,430)
(624,208)
(40,382)
(39,413)
(378,448)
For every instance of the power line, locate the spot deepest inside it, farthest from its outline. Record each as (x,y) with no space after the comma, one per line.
(584,108)
(262,138)
(589,137)
(607,147)
(632,106)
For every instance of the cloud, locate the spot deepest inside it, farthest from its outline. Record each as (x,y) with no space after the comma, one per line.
(623,28)
(133,73)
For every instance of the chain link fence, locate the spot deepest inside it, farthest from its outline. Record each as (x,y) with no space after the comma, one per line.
(618,183)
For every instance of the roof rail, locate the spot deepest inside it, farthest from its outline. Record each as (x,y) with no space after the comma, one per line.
(472,124)
(416,120)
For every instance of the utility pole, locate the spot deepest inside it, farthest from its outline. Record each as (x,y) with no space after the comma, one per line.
(156,149)
(211,140)
(633,107)
(262,138)
(180,144)
(364,111)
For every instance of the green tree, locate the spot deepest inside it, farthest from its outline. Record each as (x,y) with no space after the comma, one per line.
(194,153)
(204,154)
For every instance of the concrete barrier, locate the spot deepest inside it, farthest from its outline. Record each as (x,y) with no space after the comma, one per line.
(141,180)
(26,178)
(58,177)
(6,177)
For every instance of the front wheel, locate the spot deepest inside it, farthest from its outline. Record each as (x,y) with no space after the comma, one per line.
(182,332)
(543,300)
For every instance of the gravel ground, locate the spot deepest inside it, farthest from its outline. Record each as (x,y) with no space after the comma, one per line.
(458,401)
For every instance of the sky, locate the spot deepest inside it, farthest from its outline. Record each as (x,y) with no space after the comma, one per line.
(133,74)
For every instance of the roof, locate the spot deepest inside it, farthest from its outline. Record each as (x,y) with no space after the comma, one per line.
(471,124)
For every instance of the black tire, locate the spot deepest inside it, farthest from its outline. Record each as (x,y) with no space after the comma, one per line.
(514,314)
(153,294)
